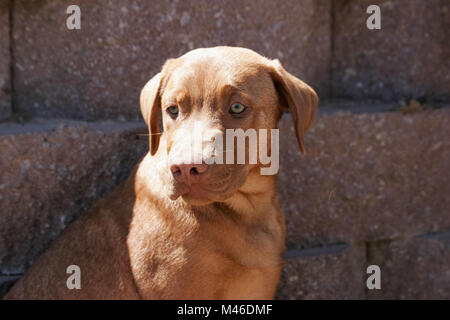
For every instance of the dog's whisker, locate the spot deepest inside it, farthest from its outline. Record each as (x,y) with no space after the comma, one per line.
(148,134)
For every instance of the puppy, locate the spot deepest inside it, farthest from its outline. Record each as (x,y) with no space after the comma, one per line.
(184,229)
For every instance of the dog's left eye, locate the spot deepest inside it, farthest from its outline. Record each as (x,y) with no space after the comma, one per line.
(237,108)
(173,110)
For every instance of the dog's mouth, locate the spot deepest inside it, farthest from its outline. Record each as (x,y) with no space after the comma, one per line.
(195,195)
(178,190)
(200,193)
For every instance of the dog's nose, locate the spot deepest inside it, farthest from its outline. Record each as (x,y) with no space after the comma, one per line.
(187,172)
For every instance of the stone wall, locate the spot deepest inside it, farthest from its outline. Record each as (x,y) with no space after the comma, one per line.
(373,188)
(325,42)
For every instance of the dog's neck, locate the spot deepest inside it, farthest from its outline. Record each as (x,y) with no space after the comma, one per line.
(255,196)
(253,210)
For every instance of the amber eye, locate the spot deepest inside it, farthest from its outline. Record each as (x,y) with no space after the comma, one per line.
(173,111)
(237,108)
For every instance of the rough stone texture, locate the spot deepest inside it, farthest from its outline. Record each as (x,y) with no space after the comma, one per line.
(5,80)
(328,276)
(52,172)
(97,72)
(417,268)
(408,58)
(366,177)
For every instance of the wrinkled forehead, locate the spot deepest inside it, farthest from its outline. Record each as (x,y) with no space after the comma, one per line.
(201,75)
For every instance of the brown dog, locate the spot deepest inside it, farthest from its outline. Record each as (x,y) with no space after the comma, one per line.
(179,230)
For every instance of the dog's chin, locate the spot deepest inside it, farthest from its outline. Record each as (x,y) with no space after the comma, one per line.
(197,195)
(196,201)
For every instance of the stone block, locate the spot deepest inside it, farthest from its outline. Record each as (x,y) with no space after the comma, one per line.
(417,268)
(97,72)
(52,171)
(325,276)
(366,177)
(409,57)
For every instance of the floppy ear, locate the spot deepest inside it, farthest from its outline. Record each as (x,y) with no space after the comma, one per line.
(151,109)
(296,95)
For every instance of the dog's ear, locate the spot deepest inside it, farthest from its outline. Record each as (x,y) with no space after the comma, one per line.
(296,95)
(151,109)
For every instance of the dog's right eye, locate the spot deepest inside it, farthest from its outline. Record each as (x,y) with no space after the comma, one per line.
(237,108)
(173,111)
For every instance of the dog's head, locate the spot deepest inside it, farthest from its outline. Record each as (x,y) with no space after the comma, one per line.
(202,100)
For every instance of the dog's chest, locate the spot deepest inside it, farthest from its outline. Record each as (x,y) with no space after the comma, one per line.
(192,259)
